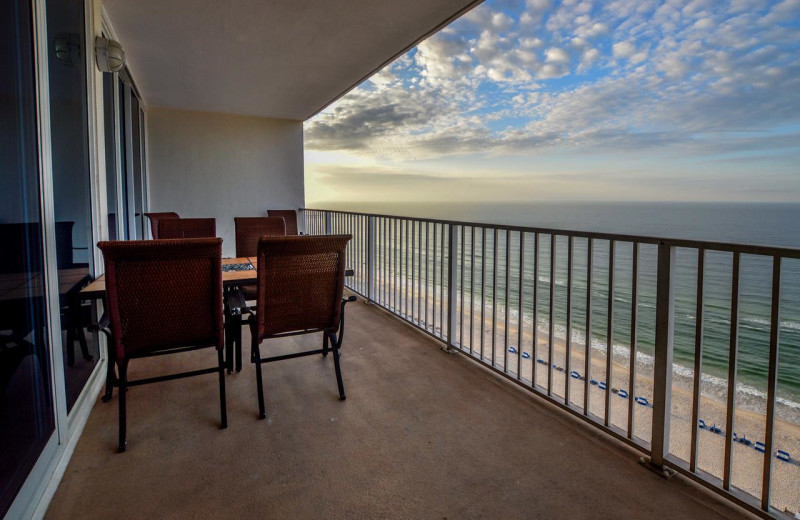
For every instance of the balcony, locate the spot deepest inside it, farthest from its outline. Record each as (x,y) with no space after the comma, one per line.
(422,434)
(532,411)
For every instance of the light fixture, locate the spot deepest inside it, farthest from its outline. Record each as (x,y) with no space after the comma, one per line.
(109,55)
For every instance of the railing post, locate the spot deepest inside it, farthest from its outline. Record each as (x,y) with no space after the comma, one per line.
(328,223)
(662,371)
(371,259)
(452,290)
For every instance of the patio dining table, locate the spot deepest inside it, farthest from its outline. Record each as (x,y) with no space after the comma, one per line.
(235,272)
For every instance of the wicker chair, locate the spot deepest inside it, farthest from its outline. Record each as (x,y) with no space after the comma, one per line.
(289,215)
(155,217)
(299,291)
(164,297)
(187,228)
(250,229)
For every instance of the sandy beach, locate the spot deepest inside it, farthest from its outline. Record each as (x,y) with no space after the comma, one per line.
(747,462)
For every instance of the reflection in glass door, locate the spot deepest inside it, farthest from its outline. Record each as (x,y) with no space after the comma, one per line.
(26,406)
(69,137)
(131,159)
(111,154)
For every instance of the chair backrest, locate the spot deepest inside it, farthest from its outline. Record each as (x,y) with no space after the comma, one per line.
(155,217)
(163,294)
(250,229)
(300,283)
(289,215)
(187,228)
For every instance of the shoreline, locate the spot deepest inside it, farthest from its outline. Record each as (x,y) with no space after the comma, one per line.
(747,463)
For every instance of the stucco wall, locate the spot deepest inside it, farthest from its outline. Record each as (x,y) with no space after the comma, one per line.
(223,166)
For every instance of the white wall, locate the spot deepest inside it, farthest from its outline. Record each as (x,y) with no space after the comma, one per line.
(223,166)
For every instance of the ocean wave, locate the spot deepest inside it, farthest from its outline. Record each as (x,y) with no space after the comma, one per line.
(764,322)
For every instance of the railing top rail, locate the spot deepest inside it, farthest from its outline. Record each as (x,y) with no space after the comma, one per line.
(751,249)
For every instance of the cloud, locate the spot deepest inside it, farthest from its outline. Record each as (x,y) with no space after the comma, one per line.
(640,77)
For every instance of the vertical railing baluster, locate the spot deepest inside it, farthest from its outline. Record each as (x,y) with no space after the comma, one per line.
(371,258)
(520,299)
(387,244)
(433,289)
(452,273)
(698,358)
(405,274)
(535,308)
(494,294)
(328,222)
(427,260)
(393,272)
(441,283)
(587,360)
(662,368)
(507,322)
(772,382)
(568,363)
(411,293)
(471,288)
(634,335)
(419,274)
(462,251)
(550,332)
(610,330)
(483,291)
(732,365)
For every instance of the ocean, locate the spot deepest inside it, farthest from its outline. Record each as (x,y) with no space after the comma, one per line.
(744,223)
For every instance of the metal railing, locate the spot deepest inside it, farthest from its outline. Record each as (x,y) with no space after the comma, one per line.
(569,316)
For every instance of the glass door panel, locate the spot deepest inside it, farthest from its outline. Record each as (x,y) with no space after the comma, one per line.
(71,187)
(26,406)
(111,154)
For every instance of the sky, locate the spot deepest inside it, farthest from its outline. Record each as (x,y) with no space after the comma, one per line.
(679,100)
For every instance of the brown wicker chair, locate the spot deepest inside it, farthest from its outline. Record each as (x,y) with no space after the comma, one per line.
(164,297)
(187,228)
(289,215)
(250,229)
(299,291)
(155,217)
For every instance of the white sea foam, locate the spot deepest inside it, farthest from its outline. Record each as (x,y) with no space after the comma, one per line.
(748,396)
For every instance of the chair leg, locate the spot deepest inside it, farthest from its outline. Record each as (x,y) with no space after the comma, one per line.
(237,341)
(223,408)
(84,346)
(325,341)
(229,343)
(123,389)
(70,346)
(338,368)
(109,381)
(262,413)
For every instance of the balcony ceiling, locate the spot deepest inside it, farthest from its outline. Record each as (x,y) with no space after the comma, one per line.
(281,58)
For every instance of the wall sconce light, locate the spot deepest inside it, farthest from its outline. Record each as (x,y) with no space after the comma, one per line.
(109,55)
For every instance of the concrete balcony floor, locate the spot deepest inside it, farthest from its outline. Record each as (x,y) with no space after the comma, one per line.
(422,434)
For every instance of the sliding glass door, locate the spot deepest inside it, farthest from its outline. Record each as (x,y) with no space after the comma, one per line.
(69,138)
(27,416)
(129,200)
